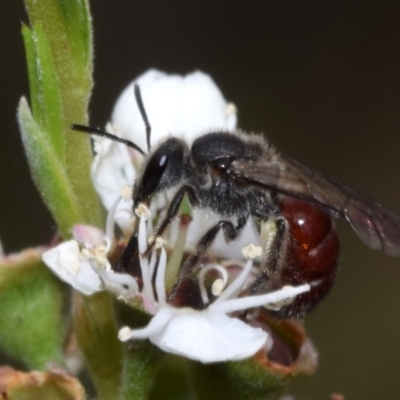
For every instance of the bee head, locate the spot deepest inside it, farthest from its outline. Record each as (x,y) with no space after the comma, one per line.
(163,170)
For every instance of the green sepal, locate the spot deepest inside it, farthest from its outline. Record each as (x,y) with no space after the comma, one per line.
(141,358)
(173,369)
(97,334)
(244,380)
(139,370)
(32,302)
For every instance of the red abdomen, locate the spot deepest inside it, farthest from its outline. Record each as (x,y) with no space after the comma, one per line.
(311,255)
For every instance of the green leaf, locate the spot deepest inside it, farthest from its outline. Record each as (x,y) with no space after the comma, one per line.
(48,173)
(58,44)
(79,29)
(46,100)
(33,328)
(59,51)
(68,21)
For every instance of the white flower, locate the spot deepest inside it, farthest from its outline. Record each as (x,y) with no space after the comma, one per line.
(186,106)
(67,263)
(112,171)
(82,263)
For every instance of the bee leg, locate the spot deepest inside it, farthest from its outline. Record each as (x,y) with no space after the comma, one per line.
(131,248)
(173,209)
(231,232)
(274,235)
(129,252)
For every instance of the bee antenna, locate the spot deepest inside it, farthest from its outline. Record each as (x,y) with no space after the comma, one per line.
(139,101)
(100,132)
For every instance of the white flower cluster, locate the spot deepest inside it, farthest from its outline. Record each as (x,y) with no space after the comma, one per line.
(209,335)
(188,105)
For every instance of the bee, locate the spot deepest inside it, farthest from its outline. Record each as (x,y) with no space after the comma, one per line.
(241,176)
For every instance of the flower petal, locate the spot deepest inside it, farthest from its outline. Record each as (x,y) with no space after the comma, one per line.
(203,220)
(65,261)
(209,337)
(180,105)
(112,169)
(88,234)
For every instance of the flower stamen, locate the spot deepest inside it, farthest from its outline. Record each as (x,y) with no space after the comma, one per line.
(202,274)
(120,284)
(155,325)
(160,278)
(283,303)
(244,303)
(152,264)
(217,287)
(111,218)
(144,213)
(126,193)
(235,287)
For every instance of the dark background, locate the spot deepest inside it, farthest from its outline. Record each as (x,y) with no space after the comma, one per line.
(320,78)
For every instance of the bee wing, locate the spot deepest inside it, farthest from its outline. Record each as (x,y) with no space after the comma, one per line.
(376,226)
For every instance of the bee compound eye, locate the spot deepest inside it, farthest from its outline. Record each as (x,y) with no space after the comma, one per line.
(154,171)
(163,170)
